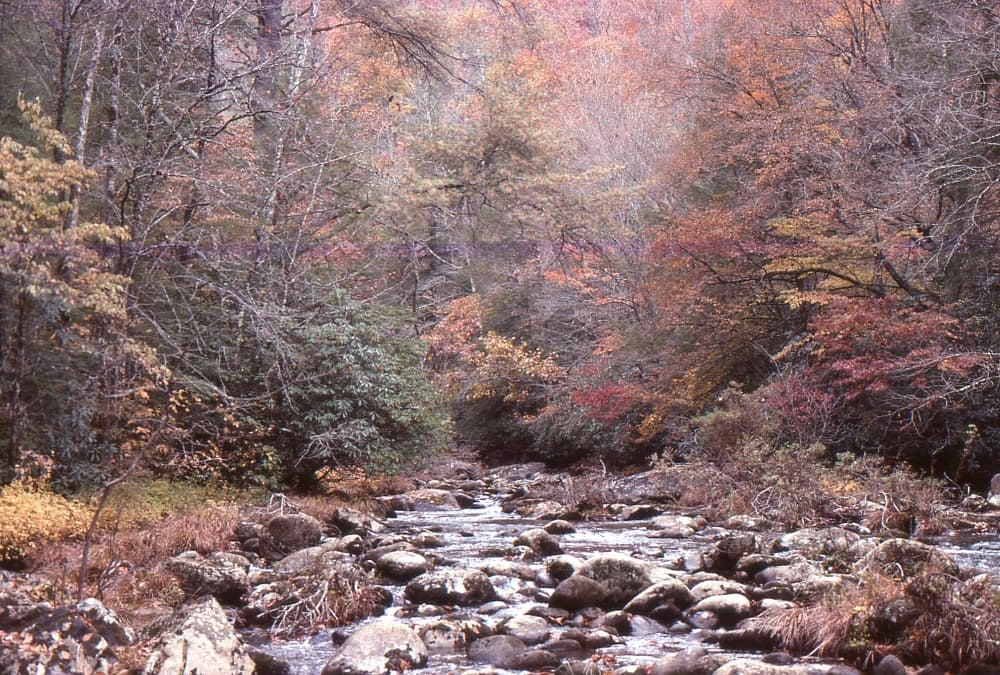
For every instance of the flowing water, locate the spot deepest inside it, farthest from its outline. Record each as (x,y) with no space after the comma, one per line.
(476,537)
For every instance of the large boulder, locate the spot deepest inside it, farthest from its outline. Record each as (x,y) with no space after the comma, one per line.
(905,558)
(622,576)
(402,565)
(539,541)
(378,648)
(578,592)
(451,587)
(222,575)
(37,637)
(294,531)
(730,608)
(532,630)
(430,499)
(198,640)
(671,591)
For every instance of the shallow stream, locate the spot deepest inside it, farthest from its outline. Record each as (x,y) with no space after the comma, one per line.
(476,537)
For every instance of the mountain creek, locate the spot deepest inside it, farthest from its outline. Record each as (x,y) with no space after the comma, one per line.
(673,593)
(494,574)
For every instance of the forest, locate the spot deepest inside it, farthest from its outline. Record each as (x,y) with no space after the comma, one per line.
(251,240)
(741,257)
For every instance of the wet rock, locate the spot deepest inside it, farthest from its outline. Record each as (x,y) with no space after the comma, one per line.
(728,551)
(352,544)
(634,511)
(703,620)
(619,621)
(596,639)
(890,665)
(675,527)
(749,667)
(265,664)
(546,510)
(559,527)
(36,637)
(577,592)
(730,608)
(352,521)
(754,562)
(687,662)
(711,587)
(431,499)
(748,638)
(451,587)
(795,573)
(672,591)
(452,637)
(509,568)
(198,640)
(539,541)
(622,577)
(578,667)
(501,651)
(531,630)
(382,549)
(428,540)
(294,531)
(309,560)
(905,558)
(378,648)
(223,575)
(563,566)
(402,565)
(812,542)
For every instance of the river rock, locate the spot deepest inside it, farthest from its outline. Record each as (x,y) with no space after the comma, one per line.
(727,552)
(431,499)
(198,640)
(451,587)
(378,648)
(352,521)
(750,667)
(578,592)
(402,565)
(622,576)
(36,637)
(813,543)
(547,510)
(710,587)
(539,541)
(428,540)
(507,651)
(531,630)
(671,590)
(634,511)
(223,575)
(312,560)
(994,495)
(730,608)
(294,531)
(559,526)
(905,558)
(563,566)
(687,662)
(452,636)
(675,527)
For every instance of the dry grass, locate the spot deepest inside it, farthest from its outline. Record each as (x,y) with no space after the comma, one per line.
(956,624)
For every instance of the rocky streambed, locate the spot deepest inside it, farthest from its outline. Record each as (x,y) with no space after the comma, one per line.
(488,574)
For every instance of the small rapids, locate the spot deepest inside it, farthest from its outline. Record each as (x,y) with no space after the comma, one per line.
(478,536)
